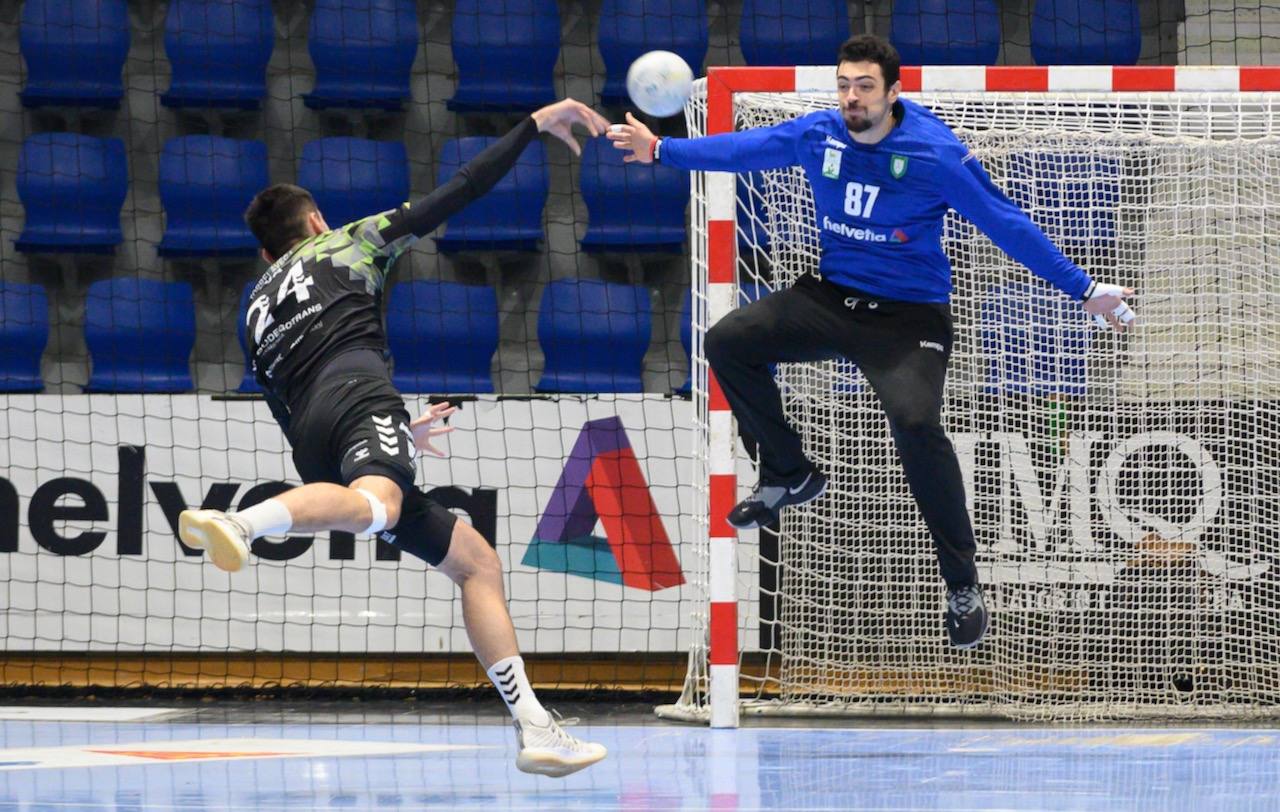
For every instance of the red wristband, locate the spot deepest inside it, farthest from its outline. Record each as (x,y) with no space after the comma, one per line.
(653,147)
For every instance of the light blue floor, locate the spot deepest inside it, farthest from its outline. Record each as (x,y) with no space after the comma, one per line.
(657,767)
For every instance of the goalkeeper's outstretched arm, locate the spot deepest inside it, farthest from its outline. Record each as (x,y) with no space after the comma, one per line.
(753,149)
(969,190)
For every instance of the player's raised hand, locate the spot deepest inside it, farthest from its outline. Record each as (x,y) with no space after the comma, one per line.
(635,138)
(559,118)
(1106,303)
(423,430)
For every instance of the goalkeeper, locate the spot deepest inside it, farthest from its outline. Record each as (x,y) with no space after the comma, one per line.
(314,328)
(884,172)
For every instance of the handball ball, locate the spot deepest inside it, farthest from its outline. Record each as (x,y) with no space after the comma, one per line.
(659,83)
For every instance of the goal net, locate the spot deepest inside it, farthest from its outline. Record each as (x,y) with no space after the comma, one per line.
(1124,489)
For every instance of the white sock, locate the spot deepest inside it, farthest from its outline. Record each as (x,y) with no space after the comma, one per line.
(269,518)
(509,678)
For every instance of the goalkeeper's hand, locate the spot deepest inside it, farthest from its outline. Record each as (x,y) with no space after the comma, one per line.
(1107,305)
(422,430)
(633,138)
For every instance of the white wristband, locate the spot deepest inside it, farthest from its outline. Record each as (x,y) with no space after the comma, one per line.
(1102,289)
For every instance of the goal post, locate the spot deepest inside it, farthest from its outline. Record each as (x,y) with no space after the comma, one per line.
(1125,489)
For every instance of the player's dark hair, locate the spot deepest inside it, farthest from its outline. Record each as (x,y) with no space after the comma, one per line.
(278,217)
(870,48)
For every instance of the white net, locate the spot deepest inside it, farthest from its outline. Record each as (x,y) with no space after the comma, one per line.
(1124,489)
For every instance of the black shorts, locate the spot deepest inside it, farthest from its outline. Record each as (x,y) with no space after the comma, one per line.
(353,423)
(424,530)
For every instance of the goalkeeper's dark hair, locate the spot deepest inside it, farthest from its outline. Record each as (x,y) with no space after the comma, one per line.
(278,217)
(870,48)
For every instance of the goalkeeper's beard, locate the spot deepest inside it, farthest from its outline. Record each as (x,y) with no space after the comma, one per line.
(855,123)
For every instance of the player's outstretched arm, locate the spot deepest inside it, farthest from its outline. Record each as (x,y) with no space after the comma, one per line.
(482,172)
(758,148)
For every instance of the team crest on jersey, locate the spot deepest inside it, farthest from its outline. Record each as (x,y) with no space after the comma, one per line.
(898,166)
(831,164)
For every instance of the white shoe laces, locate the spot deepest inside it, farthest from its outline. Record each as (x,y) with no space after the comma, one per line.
(241,526)
(553,735)
(964,600)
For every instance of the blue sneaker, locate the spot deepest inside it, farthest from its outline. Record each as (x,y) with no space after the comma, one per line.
(769,497)
(966,619)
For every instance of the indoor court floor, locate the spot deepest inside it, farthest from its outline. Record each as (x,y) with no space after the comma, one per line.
(459,756)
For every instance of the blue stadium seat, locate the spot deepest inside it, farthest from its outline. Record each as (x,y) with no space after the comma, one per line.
(218,50)
(630,28)
(140,334)
(443,336)
(1073,197)
(947,32)
(1035,340)
(631,207)
(24,332)
(1085,32)
(594,335)
(506,52)
(75,52)
(248,384)
(352,178)
(72,187)
(362,51)
(509,217)
(206,182)
(793,32)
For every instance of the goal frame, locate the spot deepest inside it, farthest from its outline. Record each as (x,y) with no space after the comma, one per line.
(719,245)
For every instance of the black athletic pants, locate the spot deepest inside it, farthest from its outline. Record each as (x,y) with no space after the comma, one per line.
(902,349)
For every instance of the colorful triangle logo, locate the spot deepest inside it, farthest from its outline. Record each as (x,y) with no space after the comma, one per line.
(603,482)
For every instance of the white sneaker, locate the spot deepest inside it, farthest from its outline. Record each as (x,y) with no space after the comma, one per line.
(226,539)
(549,750)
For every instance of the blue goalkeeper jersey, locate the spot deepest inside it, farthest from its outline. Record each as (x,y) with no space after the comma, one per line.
(880,207)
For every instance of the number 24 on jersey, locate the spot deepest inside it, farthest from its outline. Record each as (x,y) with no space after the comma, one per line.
(295,283)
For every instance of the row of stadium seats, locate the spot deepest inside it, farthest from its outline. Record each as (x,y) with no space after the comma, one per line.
(506,50)
(443,336)
(73,187)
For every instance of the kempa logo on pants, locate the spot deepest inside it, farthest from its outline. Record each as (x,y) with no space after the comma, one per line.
(932,345)
(602,482)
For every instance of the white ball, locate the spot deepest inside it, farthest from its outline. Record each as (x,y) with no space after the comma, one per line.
(659,83)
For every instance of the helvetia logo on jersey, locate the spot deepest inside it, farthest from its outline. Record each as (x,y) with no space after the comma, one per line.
(602,482)
(899,235)
(852,232)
